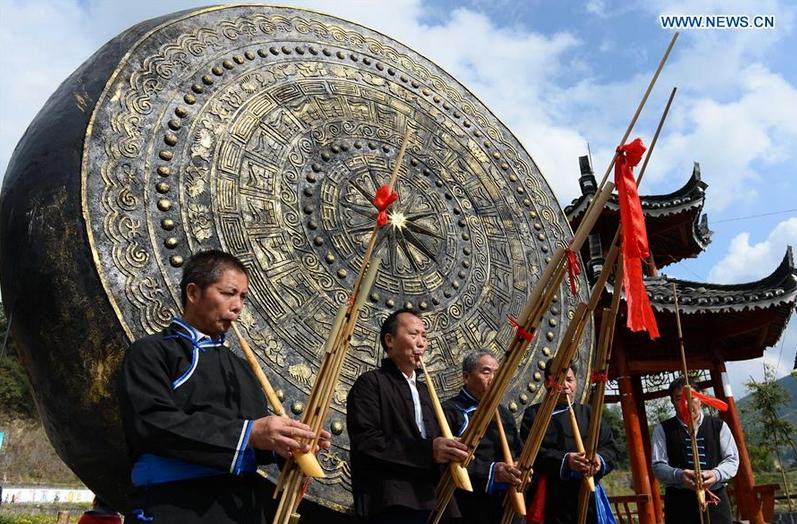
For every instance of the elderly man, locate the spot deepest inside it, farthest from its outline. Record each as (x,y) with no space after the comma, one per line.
(396,447)
(674,465)
(195,417)
(562,466)
(490,475)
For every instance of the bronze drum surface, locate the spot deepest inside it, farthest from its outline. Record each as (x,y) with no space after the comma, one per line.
(265,132)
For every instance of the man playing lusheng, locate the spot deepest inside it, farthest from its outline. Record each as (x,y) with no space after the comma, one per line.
(396,447)
(489,474)
(563,467)
(195,417)
(674,465)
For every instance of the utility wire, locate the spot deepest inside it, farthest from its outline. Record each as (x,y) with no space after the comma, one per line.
(753,216)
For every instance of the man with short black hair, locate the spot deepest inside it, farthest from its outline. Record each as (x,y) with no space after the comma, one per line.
(674,465)
(195,417)
(489,474)
(560,463)
(396,447)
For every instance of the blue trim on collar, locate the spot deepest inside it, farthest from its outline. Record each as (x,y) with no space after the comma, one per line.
(185,331)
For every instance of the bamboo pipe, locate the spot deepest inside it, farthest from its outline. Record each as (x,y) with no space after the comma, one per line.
(318,405)
(308,462)
(517,498)
(690,423)
(602,359)
(588,480)
(606,338)
(458,471)
(317,413)
(560,365)
(335,351)
(530,322)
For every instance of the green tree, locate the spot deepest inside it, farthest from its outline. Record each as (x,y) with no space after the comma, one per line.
(614,418)
(658,410)
(769,430)
(15,396)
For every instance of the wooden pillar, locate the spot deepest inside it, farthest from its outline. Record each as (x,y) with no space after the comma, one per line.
(633,434)
(651,263)
(744,482)
(658,510)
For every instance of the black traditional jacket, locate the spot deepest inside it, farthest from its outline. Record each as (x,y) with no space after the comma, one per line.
(391,463)
(561,501)
(189,401)
(485,504)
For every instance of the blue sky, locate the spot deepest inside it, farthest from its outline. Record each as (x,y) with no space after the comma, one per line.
(559,75)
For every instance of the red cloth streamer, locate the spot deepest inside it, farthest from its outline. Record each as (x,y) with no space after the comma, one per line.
(551,383)
(635,239)
(536,511)
(522,333)
(705,399)
(597,376)
(573,269)
(711,499)
(384,197)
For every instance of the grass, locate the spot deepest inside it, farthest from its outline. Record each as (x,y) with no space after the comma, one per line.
(39,514)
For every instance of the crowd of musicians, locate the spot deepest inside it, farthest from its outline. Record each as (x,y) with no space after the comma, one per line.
(197,425)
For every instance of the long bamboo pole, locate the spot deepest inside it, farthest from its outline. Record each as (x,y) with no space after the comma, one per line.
(588,480)
(458,471)
(291,483)
(531,446)
(537,304)
(517,498)
(690,423)
(308,462)
(602,357)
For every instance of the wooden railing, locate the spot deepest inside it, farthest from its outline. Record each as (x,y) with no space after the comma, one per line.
(765,493)
(626,507)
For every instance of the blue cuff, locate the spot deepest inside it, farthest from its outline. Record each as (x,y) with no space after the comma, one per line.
(565,473)
(493,485)
(243,445)
(563,469)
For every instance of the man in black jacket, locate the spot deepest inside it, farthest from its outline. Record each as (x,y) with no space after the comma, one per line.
(396,447)
(195,418)
(489,474)
(560,463)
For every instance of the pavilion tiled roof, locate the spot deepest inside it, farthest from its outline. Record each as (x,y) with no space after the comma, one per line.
(775,290)
(690,196)
(660,213)
(743,319)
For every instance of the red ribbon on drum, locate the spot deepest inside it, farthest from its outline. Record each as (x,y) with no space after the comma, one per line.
(384,197)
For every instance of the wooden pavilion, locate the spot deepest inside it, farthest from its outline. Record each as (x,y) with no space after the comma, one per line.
(721,323)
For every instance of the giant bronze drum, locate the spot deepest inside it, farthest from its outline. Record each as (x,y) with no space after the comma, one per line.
(265,131)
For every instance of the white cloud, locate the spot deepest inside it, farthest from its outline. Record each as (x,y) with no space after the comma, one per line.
(596,7)
(34,59)
(512,71)
(747,262)
(736,142)
(735,114)
(780,357)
